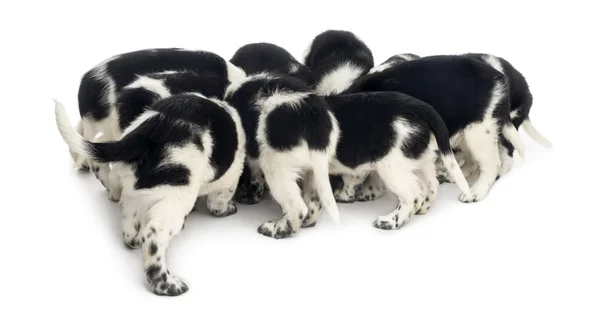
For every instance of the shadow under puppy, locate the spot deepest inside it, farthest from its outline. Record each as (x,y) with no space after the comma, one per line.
(180,148)
(101,85)
(291,135)
(471,97)
(336,59)
(256,58)
(395,136)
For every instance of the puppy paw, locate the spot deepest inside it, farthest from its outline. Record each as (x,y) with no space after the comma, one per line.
(389,222)
(282,228)
(163,284)
(230,209)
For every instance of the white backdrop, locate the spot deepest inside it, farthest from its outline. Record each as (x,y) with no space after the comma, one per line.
(529,250)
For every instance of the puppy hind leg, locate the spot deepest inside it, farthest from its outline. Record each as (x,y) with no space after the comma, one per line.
(312,201)
(163,221)
(285,191)
(404,184)
(431,186)
(482,142)
(131,224)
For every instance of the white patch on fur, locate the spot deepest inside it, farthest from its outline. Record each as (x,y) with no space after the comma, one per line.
(406,57)
(279,98)
(381,67)
(294,67)
(234,86)
(138,121)
(234,74)
(514,114)
(339,79)
(494,62)
(150,84)
(167,72)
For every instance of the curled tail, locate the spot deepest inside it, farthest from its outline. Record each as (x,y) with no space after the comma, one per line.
(442,137)
(126,149)
(512,135)
(535,134)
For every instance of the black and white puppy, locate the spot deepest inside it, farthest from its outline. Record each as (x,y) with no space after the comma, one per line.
(471,97)
(337,58)
(291,135)
(180,148)
(395,136)
(393,60)
(100,86)
(254,58)
(135,97)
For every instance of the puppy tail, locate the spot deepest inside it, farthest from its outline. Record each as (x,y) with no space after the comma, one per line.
(442,137)
(535,134)
(323,187)
(512,135)
(125,150)
(70,135)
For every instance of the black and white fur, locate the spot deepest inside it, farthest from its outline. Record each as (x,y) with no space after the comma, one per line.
(292,135)
(135,97)
(182,147)
(256,58)
(471,97)
(521,101)
(260,57)
(337,58)
(395,136)
(394,60)
(100,86)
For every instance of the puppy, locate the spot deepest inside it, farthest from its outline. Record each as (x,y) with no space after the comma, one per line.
(471,97)
(521,101)
(337,58)
(254,58)
(397,137)
(393,60)
(291,135)
(180,148)
(99,87)
(135,97)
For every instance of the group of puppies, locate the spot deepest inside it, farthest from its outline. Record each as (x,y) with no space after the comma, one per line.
(161,127)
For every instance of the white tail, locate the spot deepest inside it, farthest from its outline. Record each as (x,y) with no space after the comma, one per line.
(511,134)
(323,187)
(68,132)
(454,170)
(535,135)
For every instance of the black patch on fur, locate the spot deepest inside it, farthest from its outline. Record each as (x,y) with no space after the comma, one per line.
(261,57)
(457,87)
(367,126)
(153,249)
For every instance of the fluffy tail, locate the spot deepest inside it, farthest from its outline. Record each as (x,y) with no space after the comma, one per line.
(511,134)
(126,149)
(69,133)
(323,187)
(535,135)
